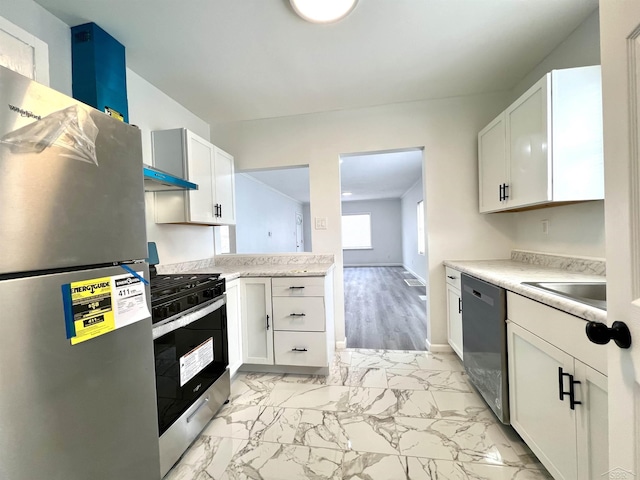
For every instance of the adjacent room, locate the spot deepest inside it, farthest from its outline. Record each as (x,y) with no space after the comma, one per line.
(383,242)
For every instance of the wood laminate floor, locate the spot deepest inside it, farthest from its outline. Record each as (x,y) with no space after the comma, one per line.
(382,311)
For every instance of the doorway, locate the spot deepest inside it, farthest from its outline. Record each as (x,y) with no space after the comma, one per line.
(384,249)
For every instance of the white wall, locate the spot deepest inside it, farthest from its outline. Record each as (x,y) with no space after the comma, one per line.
(446,128)
(574,229)
(411,259)
(579,49)
(386,233)
(265,218)
(306,217)
(31,17)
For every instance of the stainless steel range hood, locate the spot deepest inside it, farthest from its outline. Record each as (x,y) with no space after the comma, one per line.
(156,180)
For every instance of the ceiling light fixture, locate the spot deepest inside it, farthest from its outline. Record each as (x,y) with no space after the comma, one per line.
(323,11)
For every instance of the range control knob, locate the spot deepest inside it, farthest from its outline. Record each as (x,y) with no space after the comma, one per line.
(160,313)
(174,307)
(208,293)
(192,299)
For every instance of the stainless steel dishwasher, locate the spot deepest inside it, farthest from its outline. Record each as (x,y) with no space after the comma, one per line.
(484,342)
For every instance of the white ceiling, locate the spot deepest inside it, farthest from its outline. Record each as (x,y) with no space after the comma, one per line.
(366,176)
(380,175)
(293,182)
(229,60)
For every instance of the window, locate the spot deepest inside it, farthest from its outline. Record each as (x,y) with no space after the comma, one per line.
(356,231)
(420,223)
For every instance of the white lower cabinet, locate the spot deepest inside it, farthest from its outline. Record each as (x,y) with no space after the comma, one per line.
(288,321)
(257,324)
(454,310)
(234,330)
(558,404)
(306,349)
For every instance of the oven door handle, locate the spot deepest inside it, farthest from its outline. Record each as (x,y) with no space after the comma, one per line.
(202,404)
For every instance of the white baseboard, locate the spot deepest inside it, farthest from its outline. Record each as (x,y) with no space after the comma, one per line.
(341,345)
(373,265)
(414,274)
(438,347)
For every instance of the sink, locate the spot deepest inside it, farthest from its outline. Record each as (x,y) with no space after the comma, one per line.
(590,293)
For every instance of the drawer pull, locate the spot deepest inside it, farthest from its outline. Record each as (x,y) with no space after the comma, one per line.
(298,349)
(202,404)
(451,277)
(294,288)
(297,314)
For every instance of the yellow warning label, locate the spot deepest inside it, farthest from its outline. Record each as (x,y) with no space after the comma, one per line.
(92,308)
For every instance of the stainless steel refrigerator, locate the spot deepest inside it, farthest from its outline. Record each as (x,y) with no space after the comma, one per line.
(71,221)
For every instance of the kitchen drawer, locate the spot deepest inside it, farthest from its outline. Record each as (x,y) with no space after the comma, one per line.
(298,313)
(565,331)
(453,277)
(313,344)
(297,286)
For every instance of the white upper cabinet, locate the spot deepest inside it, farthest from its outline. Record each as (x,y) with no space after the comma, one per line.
(545,148)
(493,165)
(189,156)
(225,195)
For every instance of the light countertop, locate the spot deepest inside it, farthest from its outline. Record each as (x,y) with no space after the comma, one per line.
(231,272)
(510,274)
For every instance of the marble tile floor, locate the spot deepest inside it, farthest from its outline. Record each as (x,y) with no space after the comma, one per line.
(379,415)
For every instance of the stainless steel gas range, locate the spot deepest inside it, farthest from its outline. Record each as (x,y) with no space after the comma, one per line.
(191,358)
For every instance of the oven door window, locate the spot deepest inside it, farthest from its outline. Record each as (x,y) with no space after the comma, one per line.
(188,361)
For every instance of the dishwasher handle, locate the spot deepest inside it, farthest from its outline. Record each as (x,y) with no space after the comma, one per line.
(476,293)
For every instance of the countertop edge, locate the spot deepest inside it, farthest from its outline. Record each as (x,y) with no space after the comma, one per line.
(233,272)
(572,307)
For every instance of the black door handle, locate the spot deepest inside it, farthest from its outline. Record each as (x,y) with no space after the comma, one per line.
(505,192)
(601,334)
(297,314)
(561,376)
(267,322)
(572,393)
(572,388)
(500,195)
(296,349)
(459,305)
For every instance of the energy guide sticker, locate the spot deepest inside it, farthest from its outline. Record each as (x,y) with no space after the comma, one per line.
(100,305)
(92,308)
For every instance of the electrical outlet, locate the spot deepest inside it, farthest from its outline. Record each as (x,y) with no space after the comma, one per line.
(545,227)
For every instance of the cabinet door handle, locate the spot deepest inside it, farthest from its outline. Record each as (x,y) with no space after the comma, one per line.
(267,322)
(459,305)
(505,190)
(294,288)
(220,207)
(572,393)
(297,314)
(500,195)
(295,349)
(561,391)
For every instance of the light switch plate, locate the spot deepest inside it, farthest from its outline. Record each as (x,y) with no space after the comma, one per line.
(321,223)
